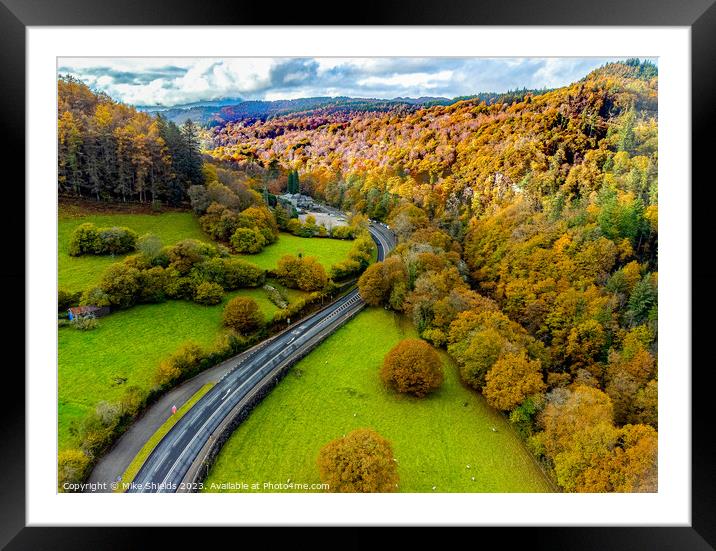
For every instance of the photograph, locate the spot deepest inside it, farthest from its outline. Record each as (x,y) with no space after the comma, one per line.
(311,275)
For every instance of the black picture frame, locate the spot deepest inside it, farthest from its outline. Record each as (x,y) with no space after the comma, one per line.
(699,15)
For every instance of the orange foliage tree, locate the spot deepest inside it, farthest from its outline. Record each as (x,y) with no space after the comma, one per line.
(242,314)
(361,461)
(412,367)
(512,379)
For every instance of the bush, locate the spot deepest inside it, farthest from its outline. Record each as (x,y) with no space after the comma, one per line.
(412,367)
(122,284)
(153,284)
(116,240)
(94,297)
(373,285)
(305,273)
(208,293)
(99,427)
(276,296)
(199,199)
(361,461)
(189,252)
(67,299)
(245,240)
(212,270)
(84,240)
(150,246)
(343,232)
(133,399)
(242,314)
(89,239)
(72,468)
(85,323)
(179,286)
(181,364)
(239,273)
(344,269)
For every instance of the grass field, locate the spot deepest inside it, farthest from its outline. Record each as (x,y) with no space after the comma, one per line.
(337,389)
(327,251)
(126,348)
(78,273)
(161,432)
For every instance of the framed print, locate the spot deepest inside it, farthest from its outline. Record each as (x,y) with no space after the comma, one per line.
(432,267)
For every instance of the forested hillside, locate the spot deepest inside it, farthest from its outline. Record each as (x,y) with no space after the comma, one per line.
(111,151)
(221,112)
(528,248)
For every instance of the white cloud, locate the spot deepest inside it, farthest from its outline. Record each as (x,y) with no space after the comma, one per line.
(171,81)
(424,80)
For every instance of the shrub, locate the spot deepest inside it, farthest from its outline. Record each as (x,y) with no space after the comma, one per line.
(199,198)
(239,273)
(183,363)
(305,273)
(188,252)
(294,226)
(343,232)
(212,270)
(245,240)
(89,239)
(122,284)
(373,285)
(219,221)
(150,246)
(72,467)
(116,240)
(179,286)
(66,299)
(84,240)
(208,293)
(133,400)
(276,296)
(361,461)
(262,219)
(362,250)
(242,314)
(153,284)
(412,367)
(85,323)
(99,427)
(95,297)
(344,269)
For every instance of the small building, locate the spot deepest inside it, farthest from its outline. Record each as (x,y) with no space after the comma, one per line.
(298,200)
(90,310)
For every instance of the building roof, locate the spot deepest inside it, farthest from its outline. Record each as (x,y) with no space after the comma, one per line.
(79,310)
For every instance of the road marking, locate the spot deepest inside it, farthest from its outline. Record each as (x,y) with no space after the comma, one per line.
(225,395)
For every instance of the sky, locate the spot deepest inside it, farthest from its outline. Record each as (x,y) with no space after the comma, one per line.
(168,82)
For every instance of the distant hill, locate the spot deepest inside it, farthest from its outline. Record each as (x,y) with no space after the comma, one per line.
(220,112)
(228,110)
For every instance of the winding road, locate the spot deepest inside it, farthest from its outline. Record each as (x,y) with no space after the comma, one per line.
(175,461)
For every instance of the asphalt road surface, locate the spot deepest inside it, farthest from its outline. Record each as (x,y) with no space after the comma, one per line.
(167,466)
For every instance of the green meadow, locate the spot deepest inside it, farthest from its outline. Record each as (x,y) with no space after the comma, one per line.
(443,443)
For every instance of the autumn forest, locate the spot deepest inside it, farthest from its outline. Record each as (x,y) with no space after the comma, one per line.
(527,229)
